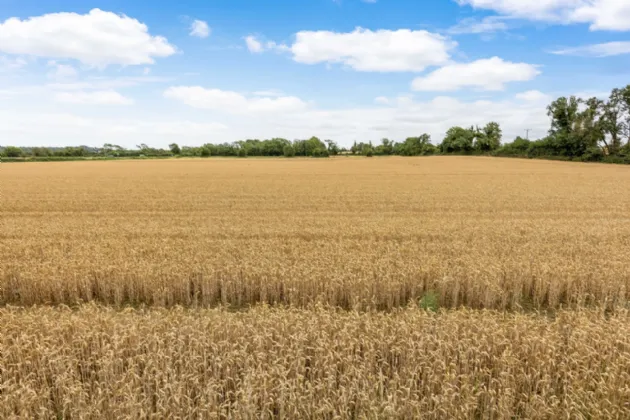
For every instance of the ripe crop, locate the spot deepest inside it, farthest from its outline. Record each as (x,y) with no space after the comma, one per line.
(350,233)
(440,287)
(286,363)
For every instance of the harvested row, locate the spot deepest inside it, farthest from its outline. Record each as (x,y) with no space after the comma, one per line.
(98,363)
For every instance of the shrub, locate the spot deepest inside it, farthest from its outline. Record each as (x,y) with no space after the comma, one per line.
(242,152)
(593,154)
(320,153)
(12,152)
(205,152)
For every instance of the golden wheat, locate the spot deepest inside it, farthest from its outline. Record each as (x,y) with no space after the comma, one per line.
(352,233)
(279,363)
(305,239)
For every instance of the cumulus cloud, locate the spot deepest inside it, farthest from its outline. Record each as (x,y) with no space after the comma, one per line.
(200,29)
(96,39)
(99,97)
(364,50)
(486,74)
(232,102)
(377,51)
(253,44)
(611,15)
(597,50)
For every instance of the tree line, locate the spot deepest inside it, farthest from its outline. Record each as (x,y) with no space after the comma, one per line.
(581,129)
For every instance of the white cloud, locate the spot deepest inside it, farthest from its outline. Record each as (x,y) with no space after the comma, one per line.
(541,9)
(200,29)
(269,92)
(611,15)
(486,74)
(378,51)
(97,39)
(533,96)
(397,121)
(381,100)
(61,71)
(597,50)
(402,117)
(106,83)
(63,129)
(12,64)
(253,44)
(488,24)
(232,102)
(99,97)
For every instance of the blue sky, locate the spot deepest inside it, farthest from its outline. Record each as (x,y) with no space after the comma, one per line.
(131,72)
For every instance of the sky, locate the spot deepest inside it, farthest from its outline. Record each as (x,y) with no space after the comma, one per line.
(83,72)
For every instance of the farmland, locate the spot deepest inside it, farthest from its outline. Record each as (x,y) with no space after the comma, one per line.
(449,287)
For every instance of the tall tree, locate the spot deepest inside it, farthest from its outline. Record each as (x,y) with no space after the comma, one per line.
(488,138)
(613,123)
(563,113)
(174,148)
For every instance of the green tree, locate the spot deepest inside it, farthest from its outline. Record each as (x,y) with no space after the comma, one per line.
(489,138)
(40,151)
(205,152)
(572,131)
(416,146)
(175,149)
(613,122)
(12,151)
(289,151)
(385,148)
(458,140)
(564,114)
(333,149)
(354,149)
(320,152)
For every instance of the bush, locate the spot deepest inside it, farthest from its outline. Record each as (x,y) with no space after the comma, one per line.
(289,151)
(205,152)
(620,159)
(320,153)
(12,152)
(593,154)
(369,153)
(242,152)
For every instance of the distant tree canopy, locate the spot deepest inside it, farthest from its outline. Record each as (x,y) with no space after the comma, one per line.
(580,129)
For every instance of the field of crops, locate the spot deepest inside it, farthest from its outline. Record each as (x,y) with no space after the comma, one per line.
(440,287)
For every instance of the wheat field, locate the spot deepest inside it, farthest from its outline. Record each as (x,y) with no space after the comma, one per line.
(441,287)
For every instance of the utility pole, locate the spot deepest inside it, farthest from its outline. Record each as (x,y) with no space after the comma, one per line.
(527,130)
